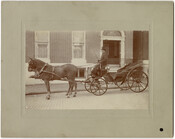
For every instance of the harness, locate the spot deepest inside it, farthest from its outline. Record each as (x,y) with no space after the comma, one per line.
(44,71)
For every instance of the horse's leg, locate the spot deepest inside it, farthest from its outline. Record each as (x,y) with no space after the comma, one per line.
(69,92)
(75,84)
(48,88)
(71,88)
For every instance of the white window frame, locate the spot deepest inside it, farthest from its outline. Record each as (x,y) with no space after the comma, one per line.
(79,61)
(47,59)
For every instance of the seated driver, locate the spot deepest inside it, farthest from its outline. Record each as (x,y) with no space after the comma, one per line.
(102,63)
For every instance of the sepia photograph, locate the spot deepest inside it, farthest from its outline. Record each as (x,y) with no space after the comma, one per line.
(107,69)
(87,69)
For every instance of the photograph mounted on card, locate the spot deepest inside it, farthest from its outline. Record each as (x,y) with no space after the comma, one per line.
(86,66)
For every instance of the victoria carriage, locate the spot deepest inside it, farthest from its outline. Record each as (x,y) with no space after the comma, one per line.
(130,77)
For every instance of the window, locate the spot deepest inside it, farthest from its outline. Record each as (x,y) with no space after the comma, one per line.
(78,51)
(78,46)
(42,45)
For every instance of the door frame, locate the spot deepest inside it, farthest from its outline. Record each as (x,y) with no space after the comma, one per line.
(122,45)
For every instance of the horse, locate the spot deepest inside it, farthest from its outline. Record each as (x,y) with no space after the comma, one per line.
(48,73)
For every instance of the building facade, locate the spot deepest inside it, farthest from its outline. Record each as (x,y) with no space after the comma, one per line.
(83,48)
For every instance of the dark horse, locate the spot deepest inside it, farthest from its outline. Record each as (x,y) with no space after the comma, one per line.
(48,73)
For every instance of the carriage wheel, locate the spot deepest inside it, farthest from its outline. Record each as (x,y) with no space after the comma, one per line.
(137,81)
(98,86)
(88,84)
(122,85)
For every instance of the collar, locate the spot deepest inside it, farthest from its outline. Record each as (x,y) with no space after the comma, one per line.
(42,69)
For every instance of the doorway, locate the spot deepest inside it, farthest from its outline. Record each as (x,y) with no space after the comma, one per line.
(113,51)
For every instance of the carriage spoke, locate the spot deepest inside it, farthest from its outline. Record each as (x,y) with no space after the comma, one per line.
(102,87)
(138,87)
(100,91)
(144,82)
(132,83)
(135,86)
(141,85)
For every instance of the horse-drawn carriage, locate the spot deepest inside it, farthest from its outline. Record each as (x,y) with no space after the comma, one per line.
(130,77)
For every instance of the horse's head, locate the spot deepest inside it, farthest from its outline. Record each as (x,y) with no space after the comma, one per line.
(32,65)
(35,64)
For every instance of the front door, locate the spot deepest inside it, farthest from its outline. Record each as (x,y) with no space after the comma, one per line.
(113,51)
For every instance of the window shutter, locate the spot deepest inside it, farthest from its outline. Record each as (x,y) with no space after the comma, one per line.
(30,45)
(60,47)
(140,45)
(92,46)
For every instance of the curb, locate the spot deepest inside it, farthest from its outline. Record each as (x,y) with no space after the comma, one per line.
(62,91)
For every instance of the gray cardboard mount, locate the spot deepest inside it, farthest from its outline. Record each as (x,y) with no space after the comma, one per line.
(157,17)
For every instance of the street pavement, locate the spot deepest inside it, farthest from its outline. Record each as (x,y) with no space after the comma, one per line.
(114,98)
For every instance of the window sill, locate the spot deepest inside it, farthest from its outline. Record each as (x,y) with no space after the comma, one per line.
(78,61)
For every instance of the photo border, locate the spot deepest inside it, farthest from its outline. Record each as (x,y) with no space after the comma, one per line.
(89,123)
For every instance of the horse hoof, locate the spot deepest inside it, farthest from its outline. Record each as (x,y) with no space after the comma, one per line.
(74,95)
(68,96)
(47,97)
